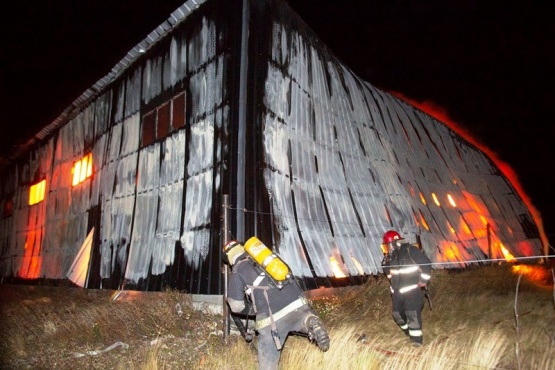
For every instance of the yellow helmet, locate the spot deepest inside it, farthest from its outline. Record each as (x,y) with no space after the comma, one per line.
(232,250)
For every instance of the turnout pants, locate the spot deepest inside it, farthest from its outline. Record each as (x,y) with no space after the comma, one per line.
(268,354)
(407,313)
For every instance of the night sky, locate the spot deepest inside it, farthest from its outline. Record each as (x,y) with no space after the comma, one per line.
(488,64)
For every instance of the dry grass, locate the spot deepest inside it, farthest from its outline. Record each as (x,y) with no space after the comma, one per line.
(482,318)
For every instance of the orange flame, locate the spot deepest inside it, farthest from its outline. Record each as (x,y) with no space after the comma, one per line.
(539,275)
(337,272)
(451,200)
(436,201)
(508,256)
(440,114)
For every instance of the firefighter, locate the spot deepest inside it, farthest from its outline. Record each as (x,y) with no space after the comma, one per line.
(278,311)
(409,271)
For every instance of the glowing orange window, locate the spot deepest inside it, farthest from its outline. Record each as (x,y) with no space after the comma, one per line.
(81,170)
(36,192)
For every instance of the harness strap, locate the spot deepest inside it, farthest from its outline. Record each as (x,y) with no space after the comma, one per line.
(271,317)
(249,290)
(258,280)
(260,324)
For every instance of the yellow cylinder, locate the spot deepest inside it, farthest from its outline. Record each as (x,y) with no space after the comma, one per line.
(271,263)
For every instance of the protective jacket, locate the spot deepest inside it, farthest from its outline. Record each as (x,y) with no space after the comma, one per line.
(406,267)
(248,282)
(280,309)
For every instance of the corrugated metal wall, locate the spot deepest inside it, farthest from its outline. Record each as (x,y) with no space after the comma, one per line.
(317,163)
(345,162)
(152,204)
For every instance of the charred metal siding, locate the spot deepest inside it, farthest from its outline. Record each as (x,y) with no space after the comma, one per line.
(152,205)
(317,163)
(344,162)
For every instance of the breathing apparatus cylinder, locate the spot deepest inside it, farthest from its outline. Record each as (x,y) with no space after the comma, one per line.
(272,264)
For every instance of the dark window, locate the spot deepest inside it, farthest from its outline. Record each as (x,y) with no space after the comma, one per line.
(7,210)
(163,125)
(160,122)
(148,129)
(178,110)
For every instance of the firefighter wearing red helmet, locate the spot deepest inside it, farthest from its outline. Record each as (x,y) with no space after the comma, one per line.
(280,310)
(409,271)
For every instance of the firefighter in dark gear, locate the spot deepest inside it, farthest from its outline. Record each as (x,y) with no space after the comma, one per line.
(409,271)
(278,311)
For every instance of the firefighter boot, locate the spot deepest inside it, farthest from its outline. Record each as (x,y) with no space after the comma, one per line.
(317,333)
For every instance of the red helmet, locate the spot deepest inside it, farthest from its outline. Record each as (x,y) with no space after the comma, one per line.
(391,236)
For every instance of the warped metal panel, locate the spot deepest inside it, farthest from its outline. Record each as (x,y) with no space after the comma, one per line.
(317,163)
(144,221)
(171,197)
(374,151)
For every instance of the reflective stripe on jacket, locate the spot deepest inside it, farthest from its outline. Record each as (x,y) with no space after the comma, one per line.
(406,267)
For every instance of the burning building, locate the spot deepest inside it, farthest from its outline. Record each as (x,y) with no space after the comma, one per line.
(218,126)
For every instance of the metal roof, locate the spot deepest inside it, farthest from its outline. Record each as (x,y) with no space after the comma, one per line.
(132,55)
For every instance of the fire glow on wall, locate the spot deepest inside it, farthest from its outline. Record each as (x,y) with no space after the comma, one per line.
(318,164)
